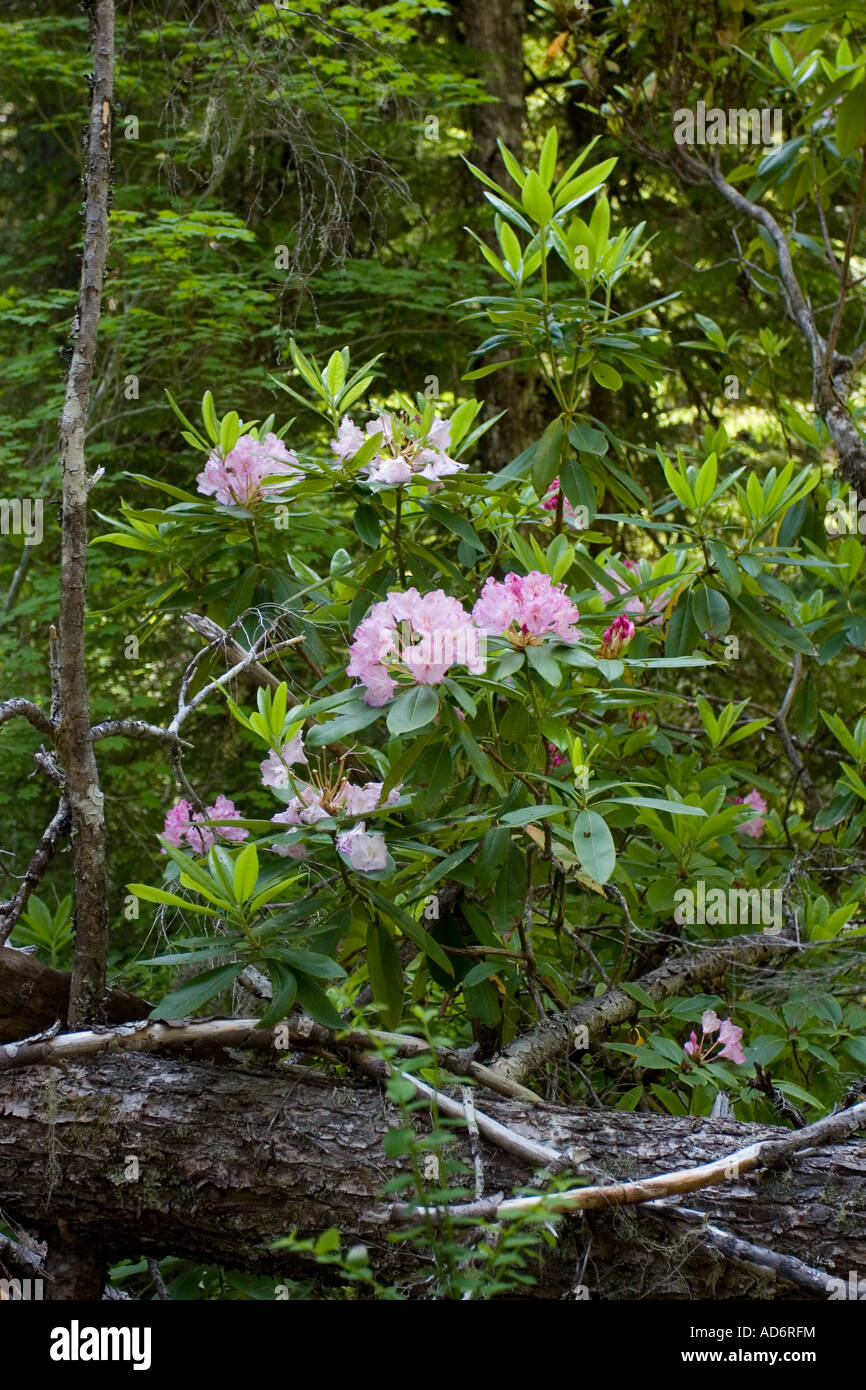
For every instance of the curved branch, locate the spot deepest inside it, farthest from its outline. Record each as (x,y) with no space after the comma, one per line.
(25,709)
(554,1036)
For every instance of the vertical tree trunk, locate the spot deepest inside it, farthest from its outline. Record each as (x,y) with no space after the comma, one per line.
(494,29)
(74,742)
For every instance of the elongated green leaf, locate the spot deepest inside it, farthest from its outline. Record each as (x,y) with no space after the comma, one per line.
(158,895)
(594,846)
(386,973)
(285,987)
(246,873)
(194,993)
(413,709)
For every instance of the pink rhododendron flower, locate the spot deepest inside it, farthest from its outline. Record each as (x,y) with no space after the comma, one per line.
(405,454)
(754,827)
(435,633)
(731,1038)
(616,638)
(349,439)
(367,853)
(557,759)
(238,480)
(275,768)
(312,804)
(727,1045)
(182,827)
(526,608)
(639,605)
(638,718)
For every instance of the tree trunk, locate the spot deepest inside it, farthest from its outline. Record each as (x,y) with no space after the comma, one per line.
(137,1155)
(74,742)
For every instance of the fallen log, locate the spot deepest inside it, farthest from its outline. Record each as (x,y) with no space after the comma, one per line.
(34,997)
(145,1155)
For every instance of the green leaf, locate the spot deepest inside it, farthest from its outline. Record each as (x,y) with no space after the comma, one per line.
(246,874)
(229,432)
(587,440)
(481,764)
(335,374)
(367,524)
(386,973)
(640,994)
(190,996)
(536,199)
(547,158)
(542,660)
(606,376)
(545,459)
(285,987)
(411,928)
(480,972)
(208,414)
(413,709)
(851,121)
(594,846)
(157,895)
(316,1003)
(726,567)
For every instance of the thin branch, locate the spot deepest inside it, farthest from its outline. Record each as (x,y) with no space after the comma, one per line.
(813,800)
(25,709)
(740,1251)
(298,1030)
(57,828)
(766,1153)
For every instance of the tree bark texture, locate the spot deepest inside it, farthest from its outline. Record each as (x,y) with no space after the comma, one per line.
(137,1155)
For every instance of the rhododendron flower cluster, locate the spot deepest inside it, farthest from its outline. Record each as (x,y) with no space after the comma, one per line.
(238,479)
(573,516)
(727,1045)
(640,605)
(754,827)
(275,768)
(366,853)
(445,637)
(557,759)
(616,638)
(405,454)
(311,804)
(182,827)
(526,608)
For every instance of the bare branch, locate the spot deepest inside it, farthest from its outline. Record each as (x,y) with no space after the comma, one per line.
(766,1153)
(25,709)
(813,800)
(553,1037)
(57,828)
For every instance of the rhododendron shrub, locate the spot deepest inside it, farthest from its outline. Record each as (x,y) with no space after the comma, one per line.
(480,748)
